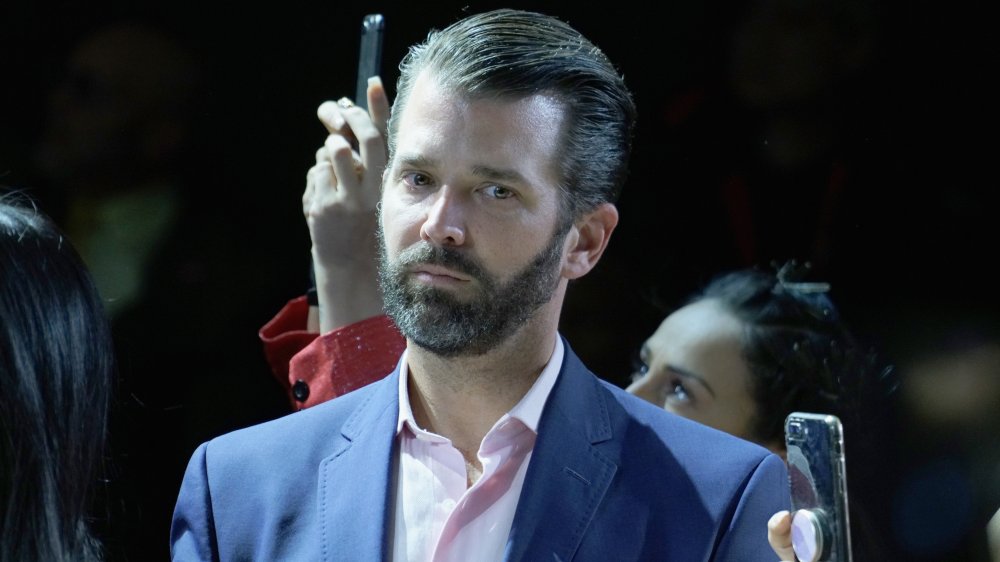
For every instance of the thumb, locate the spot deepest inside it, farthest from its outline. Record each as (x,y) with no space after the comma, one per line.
(779,535)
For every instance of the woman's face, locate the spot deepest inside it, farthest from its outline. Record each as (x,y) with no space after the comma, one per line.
(693,366)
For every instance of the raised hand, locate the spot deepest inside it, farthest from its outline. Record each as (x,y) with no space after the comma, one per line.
(339,204)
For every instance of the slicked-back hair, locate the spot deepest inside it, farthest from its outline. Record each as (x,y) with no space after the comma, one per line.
(510,54)
(56,365)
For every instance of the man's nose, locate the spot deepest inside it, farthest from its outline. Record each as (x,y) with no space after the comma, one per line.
(445,222)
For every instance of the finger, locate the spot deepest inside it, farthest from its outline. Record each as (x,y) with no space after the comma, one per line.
(307,194)
(322,162)
(332,115)
(337,147)
(324,180)
(347,172)
(320,184)
(329,114)
(779,535)
(378,104)
(371,142)
(322,155)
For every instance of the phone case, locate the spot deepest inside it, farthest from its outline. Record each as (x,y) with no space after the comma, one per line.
(818,484)
(369,55)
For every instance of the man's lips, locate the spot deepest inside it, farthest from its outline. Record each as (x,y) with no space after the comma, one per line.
(438,273)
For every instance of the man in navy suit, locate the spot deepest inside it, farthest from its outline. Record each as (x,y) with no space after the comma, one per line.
(507,146)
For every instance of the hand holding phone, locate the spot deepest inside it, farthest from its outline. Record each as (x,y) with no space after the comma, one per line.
(339,205)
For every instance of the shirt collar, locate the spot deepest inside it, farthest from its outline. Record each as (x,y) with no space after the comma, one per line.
(528,410)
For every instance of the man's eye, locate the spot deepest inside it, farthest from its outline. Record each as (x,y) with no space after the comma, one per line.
(498,192)
(416,179)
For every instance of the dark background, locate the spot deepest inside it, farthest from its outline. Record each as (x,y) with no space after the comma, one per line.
(912,221)
(847,134)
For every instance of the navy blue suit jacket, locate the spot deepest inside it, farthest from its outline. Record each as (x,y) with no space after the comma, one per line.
(611,478)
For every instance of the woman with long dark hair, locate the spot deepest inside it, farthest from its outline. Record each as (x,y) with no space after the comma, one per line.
(56,367)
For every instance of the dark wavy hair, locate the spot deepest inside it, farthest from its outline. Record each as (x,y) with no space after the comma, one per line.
(801,354)
(56,367)
(511,54)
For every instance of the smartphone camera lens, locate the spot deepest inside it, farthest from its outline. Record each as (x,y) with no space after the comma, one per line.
(795,432)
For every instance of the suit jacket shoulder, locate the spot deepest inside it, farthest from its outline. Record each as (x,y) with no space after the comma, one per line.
(267,492)
(615,478)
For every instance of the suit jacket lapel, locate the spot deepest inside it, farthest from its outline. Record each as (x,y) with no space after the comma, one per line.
(356,481)
(568,476)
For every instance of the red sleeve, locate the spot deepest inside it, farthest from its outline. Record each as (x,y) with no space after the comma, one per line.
(345,359)
(315,369)
(284,336)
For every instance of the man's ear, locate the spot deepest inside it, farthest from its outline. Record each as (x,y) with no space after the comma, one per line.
(587,239)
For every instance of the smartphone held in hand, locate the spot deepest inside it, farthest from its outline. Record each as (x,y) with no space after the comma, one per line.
(818,483)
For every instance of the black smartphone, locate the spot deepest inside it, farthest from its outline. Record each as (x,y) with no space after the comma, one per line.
(817,481)
(370,55)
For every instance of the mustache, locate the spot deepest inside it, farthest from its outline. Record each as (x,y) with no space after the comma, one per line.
(424,253)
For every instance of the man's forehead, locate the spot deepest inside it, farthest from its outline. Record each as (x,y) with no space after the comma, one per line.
(545,109)
(433,105)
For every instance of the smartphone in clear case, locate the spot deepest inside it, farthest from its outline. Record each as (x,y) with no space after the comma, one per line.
(818,484)
(369,55)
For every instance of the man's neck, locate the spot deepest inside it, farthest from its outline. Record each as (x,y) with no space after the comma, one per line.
(462,397)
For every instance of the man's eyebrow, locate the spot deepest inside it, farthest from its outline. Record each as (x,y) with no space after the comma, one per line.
(416,161)
(506,175)
(501,174)
(684,373)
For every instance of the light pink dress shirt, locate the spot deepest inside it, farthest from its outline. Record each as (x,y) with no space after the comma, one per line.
(439,519)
